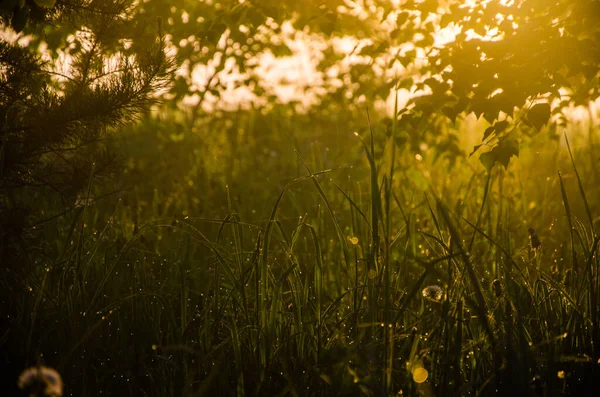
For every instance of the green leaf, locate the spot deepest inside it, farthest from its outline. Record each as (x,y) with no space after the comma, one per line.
(45,3)
(501,153)
(539,115)
(488,159)
(505,150)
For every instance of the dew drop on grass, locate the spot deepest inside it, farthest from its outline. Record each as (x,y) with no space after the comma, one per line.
(420,375)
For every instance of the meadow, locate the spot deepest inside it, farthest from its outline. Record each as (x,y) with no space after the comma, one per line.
(283,254)
(325,245)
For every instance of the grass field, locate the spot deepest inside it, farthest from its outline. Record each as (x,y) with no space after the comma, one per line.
(280,254)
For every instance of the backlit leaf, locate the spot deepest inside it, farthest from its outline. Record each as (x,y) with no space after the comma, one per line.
(488,131)
(539,115)
(488,159)
(501,126)
(475,148)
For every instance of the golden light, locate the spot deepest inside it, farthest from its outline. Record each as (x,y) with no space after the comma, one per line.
(420,375)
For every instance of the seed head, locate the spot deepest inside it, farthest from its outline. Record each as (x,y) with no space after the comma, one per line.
(41,382)
(433,293)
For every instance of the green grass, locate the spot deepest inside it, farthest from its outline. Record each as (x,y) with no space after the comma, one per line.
(302,273)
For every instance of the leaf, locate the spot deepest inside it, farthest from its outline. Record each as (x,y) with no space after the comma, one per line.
(401,138)
(45,3)
(488,131)
(501,126)
(488,159)
(501,154)
(406,84)
(368,50)
(213,35)
(502,157)
(511,146)
(446,20)
(180,87)
(428,6)
(539,115)
(281,50)
(505,150)
(401,18)
(475,148)
(450,113)
(490,115)
(328,24)
(19,19)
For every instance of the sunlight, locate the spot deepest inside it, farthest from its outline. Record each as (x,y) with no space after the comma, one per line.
(314,198)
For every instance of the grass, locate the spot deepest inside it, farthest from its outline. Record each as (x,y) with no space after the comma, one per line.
(324,295)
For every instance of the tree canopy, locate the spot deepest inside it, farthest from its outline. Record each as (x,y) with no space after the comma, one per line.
(511,62)
(514,63)
(55,115)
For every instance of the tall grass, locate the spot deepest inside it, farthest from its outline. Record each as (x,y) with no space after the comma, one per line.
(328,294)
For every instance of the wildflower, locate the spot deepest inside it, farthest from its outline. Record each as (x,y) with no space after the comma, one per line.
(41,382)
(497,286)
(433,293)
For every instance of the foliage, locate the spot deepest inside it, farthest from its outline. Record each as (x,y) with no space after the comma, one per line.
(513,61)
(503,60)
(54,123)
